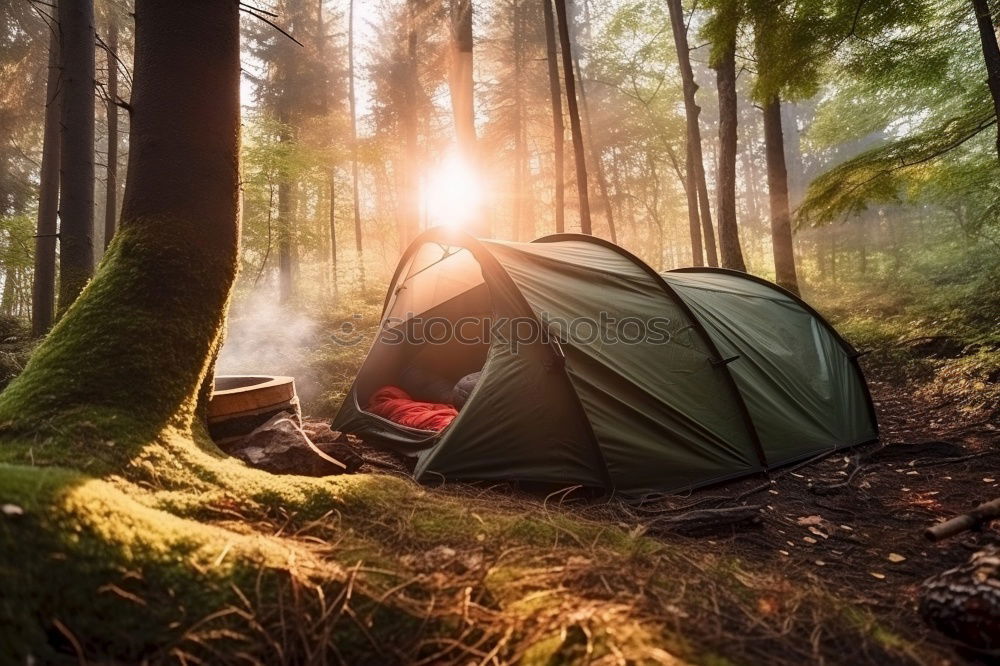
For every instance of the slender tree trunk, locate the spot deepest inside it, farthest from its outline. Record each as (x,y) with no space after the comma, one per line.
(133,355)
(595,150)
(76,195)
(692,111)
(286,223)
(574,116)
(595,154)
(694,223)
(729,234)
(411,176)
(9,289)
(111,189)
(777,185)
(44,291)
(333,235)
(520,152)
(462,87)
(461,79)
(558,129)
(352,102)
(750,181)
(793,154)
(991,53)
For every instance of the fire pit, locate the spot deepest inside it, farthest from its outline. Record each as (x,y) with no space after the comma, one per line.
(241,403)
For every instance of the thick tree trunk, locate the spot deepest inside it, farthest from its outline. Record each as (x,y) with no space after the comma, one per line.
(111,171)
(133,354)
(729,234)
(558,128)
(991,54)
(692,110)
(44,290)
(76,195)
(694,224)
(574,116)
(777,185)
(352,102)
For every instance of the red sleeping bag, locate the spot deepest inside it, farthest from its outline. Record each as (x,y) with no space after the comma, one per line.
(396,405)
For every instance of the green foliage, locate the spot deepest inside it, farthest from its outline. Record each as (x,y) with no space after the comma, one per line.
(921,98)
(931,322)
(884,174)
(792,42)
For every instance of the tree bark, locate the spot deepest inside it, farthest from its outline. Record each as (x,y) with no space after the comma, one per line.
(286,227)
(133,355)
(520,149)
(793,154)
(411,177)
(333,235)
(595,152)
(44,289)
(111,170)
(694,223)
(76,195)
(352,102)
(558,128)
(692,111)
(729,234)
(461,79)
(991,54)
(574,116)
(777,185)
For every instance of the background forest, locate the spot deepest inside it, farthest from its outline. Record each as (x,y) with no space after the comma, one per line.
(885,130)
(364,123)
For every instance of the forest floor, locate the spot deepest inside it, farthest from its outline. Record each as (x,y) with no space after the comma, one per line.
(840,537)
(176,554)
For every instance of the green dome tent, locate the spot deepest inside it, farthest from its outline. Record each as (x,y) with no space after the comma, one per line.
(607,374)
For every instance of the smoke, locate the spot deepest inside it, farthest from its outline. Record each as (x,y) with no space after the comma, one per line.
(264,337)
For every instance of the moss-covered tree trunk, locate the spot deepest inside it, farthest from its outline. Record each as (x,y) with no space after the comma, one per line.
(130,356)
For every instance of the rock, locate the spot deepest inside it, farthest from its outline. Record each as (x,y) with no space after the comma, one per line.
(320,431)
(280,446)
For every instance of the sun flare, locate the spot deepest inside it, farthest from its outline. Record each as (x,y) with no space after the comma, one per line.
(453,194)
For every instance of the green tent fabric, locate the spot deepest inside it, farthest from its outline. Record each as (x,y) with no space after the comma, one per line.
(620,378)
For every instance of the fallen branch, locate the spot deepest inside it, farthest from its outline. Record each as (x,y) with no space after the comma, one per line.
(982,514)
(708,519)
